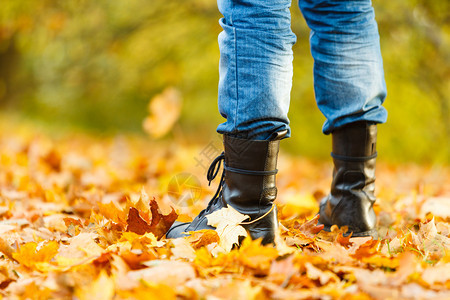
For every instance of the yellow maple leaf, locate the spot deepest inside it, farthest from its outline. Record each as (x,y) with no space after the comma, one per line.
(29,256)
(227,222)
(140,241)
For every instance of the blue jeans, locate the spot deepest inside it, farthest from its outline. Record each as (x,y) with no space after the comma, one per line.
(256,64)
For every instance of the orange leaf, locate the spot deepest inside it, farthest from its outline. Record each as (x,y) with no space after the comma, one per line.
(72,221)
(310,228)
(113,213)
(134,259)
(202,238)
(344,240)
(362,247)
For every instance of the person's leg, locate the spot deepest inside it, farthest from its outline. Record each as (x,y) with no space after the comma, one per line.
(348,69)
(255,67)
(350,89)
(254,93)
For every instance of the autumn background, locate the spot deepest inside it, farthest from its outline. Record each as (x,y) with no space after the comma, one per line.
(105,105)
(95,65)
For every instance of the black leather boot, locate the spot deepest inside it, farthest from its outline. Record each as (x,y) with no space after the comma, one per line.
(247,185)
(350,202)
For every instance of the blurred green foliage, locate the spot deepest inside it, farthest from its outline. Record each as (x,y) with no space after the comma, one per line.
(96,65)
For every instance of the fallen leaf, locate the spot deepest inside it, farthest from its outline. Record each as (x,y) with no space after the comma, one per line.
(81,249)
(113,213)
(136,223)
(28,254)
(141,242)
(310,228)
(227,223)
(362,247)
(433,243)
(159,224)
(202,238)
(64,216)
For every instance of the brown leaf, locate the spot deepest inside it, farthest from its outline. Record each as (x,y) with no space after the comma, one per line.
(159,225)
(135,223)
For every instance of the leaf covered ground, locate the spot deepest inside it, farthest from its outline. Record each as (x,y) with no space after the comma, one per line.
(84,218)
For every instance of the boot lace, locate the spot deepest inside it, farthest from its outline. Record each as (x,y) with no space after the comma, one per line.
(213,170)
